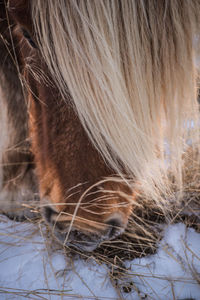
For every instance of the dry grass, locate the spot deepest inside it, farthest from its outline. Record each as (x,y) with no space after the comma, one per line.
(145,229)
(141,237)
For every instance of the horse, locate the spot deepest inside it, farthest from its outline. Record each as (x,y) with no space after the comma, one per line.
(90,91)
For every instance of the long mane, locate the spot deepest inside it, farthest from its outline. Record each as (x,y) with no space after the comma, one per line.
(130,69)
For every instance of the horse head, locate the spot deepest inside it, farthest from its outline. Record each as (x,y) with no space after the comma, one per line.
(107,83)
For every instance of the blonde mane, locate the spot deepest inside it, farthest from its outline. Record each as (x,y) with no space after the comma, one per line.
(129,67)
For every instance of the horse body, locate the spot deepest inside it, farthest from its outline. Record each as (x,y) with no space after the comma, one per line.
(17,180)
(74,168)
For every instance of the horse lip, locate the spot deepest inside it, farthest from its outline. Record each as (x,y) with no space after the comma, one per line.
(88,247)
(83,246)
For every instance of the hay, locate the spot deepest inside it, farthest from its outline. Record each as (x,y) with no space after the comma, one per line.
(144,231)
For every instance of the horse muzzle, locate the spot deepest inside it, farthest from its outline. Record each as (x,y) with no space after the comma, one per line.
(81,238)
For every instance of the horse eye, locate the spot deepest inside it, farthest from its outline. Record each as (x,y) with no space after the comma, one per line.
(28,38)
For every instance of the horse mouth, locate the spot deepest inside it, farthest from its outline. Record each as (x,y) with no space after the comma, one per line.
(80,238)
(85,242)
(84,247)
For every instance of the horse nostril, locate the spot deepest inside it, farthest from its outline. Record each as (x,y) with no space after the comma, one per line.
(115,227)
(48,213)
(114,222)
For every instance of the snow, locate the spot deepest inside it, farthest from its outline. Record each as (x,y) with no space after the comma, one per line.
(173,268)
(28,270)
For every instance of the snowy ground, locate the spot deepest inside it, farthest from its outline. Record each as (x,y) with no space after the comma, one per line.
(28,270)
